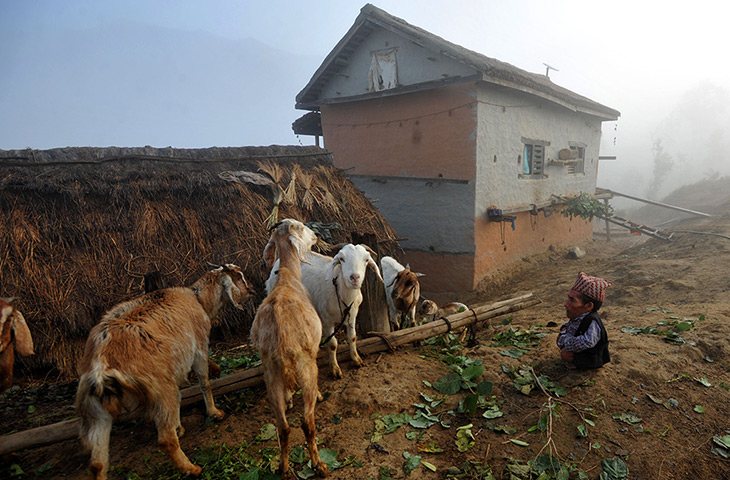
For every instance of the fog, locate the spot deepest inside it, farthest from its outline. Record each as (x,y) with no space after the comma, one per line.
(225,73)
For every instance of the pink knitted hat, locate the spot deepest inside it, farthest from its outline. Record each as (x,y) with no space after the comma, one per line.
(594,287)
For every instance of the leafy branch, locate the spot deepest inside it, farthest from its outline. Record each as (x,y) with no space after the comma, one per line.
(586,206)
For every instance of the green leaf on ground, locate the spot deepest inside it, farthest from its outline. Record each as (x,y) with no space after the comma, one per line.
(629,418)
(448,384)
(614,469)
(464,438)
(411,463)
(267,432)
(704,381)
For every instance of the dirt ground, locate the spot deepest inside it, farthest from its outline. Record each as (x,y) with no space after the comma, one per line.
(657,406)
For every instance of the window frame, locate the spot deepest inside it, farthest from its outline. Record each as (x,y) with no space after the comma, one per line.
(387,57)
(537,161)
(579,166)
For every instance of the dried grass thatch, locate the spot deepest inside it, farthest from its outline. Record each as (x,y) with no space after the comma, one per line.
(81,226)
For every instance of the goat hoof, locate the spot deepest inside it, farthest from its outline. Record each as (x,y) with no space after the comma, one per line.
(192,470)
(336,372)
(322,469)
(320,397)
(216,413)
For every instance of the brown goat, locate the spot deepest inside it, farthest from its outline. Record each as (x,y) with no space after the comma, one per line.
(141,351)
(13,331)
(286,332)
(402,291)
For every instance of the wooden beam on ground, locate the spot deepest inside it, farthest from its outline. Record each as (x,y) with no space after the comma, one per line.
(69,429)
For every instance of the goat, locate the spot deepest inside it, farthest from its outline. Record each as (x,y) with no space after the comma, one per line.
(402,291)
(429,309)
(334,286)
(155,281)
(141,351)
(13,331)
(286,332)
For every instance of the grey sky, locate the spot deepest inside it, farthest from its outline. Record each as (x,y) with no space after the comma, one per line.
(191,73)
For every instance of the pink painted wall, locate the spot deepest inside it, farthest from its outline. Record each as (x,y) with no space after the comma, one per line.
(455,273)
(497,245)
(406,135)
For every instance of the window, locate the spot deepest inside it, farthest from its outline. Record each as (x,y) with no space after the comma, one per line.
(579,153)
(532,160)
(383,72)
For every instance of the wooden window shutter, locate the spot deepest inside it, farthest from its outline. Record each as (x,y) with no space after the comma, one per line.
(538,159)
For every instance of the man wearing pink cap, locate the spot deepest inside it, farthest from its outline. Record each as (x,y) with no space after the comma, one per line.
(582,340)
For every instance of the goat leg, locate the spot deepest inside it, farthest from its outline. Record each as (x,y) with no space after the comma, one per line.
(200,367)
(167,422)
(334,366)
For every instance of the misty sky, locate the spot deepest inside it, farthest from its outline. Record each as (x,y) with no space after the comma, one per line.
(192,73)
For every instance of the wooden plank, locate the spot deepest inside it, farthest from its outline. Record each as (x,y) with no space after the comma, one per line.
(68,429)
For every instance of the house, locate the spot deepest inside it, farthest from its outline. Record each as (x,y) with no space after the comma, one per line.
(464,155)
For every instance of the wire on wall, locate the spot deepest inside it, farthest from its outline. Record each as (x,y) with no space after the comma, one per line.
(416,118)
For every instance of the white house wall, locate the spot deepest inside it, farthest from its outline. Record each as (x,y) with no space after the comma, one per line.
(506,117)
(415,65)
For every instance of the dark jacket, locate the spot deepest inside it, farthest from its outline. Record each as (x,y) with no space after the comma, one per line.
(596,356)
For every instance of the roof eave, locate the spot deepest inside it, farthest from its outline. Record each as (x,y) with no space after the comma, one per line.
(419,87)
(605,114)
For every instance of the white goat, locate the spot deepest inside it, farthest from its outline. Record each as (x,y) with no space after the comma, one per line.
(286,332)
(13,331)
(141,351)
(334,286)
(402,291)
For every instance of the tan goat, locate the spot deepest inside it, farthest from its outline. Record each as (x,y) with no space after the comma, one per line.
(13,331)
(402,291)
(141,351)
(286,332)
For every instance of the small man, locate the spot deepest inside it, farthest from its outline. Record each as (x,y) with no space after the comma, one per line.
(583,340)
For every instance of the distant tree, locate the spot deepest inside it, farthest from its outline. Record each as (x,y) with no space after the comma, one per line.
(663,164)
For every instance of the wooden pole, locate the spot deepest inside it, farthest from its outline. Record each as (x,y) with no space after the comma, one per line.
(608,228)
(69,429)
(373,313)
(659,204)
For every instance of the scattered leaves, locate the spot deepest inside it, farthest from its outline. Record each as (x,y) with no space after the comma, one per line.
(629,418)
(464,438)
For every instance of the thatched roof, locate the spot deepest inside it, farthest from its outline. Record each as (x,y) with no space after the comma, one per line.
(81,226)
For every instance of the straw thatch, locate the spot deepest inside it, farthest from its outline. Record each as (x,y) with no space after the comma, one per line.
(81,226)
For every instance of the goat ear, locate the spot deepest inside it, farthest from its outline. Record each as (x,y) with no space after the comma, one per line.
(269,254)
(5,316)
(419,274)
(23,340)
(300,248)
(374,267)
(233,293)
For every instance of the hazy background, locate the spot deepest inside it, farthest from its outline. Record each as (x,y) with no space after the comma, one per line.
(192,73)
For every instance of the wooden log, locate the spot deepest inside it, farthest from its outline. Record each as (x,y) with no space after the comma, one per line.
(68,429)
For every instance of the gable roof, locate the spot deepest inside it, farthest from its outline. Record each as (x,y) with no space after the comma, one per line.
(491,70)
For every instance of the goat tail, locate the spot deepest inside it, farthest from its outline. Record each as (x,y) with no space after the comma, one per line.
(101,396)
